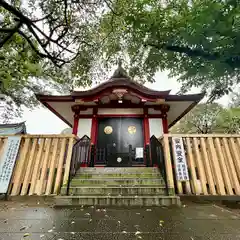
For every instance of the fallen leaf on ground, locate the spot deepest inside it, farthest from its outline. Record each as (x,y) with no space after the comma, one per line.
(137,233)
(72,222)
(22,228)
(26,235)
(72,233)
(50,230)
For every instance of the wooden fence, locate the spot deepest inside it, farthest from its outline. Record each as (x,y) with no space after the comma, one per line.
(42,165)
(213,164)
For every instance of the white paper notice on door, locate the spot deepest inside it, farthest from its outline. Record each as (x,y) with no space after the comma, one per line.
(139,152)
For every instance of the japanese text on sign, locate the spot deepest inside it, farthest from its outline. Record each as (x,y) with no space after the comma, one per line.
(7,161)
(180,159)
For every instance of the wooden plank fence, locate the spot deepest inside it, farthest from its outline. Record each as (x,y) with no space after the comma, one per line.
(213,164)
(42,165)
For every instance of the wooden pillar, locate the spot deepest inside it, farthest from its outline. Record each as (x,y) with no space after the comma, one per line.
(164,109)
(76,110)
(168,162)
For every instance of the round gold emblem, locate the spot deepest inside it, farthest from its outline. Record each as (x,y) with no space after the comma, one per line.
(108,129)
(132,129)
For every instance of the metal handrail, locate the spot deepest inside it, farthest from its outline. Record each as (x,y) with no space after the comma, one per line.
(80,155)
(158,156)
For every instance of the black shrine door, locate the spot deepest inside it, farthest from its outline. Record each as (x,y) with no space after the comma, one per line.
(118,139)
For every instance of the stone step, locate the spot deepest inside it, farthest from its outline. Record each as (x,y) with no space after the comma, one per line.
(120,175)
(119,170)
(116,191)
(119,181)
(62,201)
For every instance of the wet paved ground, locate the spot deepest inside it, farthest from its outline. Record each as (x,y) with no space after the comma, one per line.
(192,221)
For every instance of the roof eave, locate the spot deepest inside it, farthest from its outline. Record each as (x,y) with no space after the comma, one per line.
(196,98)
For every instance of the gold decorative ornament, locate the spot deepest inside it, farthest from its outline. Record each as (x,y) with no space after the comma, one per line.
(132,129)
(108,129)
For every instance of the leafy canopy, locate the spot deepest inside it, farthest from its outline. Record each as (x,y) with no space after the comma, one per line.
(64,43)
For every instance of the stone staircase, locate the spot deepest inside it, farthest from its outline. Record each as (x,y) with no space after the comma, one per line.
(133,186)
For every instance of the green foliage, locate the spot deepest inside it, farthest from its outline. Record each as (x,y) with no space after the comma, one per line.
(197,41)
(209,118)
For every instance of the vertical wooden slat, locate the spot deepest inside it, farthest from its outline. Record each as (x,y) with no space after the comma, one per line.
(60,166)
(44,167)
(236,156)
(36,167)
(68,161)
(192,167)
(231,166)
(216,168)
(238,141)
(29,167)
(206,163)
(19,169)
(52,167)
(179,183)
(223,167)
(168,163)
(200,167)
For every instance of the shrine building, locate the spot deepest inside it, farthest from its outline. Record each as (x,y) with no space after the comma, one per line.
(119,116)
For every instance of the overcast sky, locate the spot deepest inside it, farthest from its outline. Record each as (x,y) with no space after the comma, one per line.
(43,121)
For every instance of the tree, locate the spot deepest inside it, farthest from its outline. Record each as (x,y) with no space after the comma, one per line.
(235,99)
(229,121)
(197,41)
(30,58)
(209,118)
(203,119)
(74,42)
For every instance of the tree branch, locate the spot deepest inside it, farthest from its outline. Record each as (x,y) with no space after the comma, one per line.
(11,32)
(34,30)
(231,61)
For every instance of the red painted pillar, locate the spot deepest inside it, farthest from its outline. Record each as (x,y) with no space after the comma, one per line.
(164,109)
(146,128)
(94,127)
(165,124)
(75,124)
(76,110)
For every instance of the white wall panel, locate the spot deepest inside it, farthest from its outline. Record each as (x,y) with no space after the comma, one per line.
(84,127)
(155,127)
